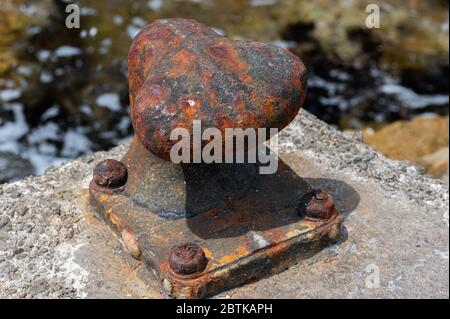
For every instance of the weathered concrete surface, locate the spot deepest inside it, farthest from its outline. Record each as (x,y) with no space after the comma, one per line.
(396,223)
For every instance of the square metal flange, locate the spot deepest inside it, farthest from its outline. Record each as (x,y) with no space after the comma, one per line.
(245,238)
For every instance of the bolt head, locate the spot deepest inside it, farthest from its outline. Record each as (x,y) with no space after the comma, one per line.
(187,259)
(316,205)
(110,174)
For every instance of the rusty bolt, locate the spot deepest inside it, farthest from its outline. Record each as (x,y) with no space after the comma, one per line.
(316,205)
(187,259)
(110,174)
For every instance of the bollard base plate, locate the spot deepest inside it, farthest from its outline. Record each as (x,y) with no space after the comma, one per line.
(245,237)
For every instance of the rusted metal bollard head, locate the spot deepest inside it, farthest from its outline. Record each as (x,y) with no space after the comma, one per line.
(181,70)
(187,259)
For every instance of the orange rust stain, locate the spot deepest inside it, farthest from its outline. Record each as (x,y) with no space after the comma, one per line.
(228,56)
(88,214)
(115,219)
(190,102)
(276,235)
(223,122)
(208,253)
(147,54)
(276,249)
(175,42)
(151,95)
(183,63)
(191,107)
(268,109)
(250,120)
(240,251)
(164,266)
(103,197)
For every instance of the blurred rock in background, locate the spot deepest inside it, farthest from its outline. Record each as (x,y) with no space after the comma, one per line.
(423,140)
(64,92)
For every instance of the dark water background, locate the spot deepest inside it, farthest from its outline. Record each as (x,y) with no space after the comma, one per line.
(72,94)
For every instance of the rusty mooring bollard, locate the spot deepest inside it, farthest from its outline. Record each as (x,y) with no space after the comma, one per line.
(206,226)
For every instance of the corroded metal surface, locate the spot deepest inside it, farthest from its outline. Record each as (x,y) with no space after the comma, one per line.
(181,70)
(316,205)
(187,259)
(244,237)
(179,190)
